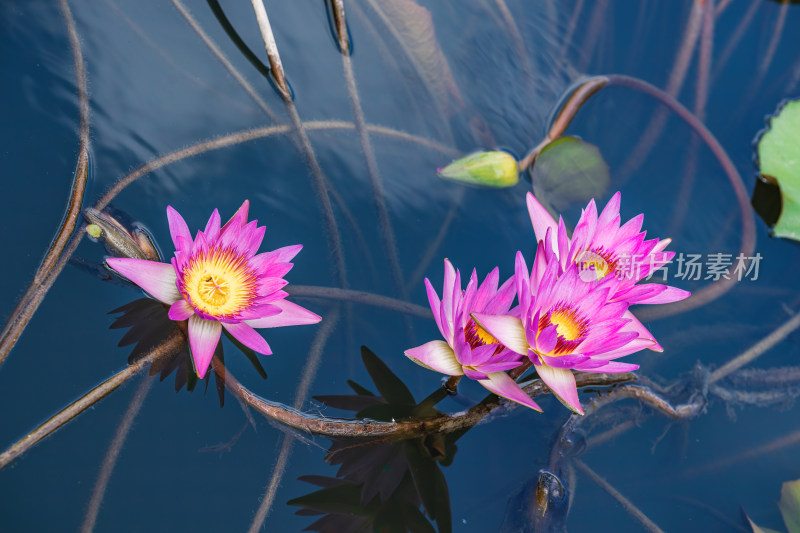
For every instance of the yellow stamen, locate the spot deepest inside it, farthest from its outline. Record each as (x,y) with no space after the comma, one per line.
(219,282)
(566,323)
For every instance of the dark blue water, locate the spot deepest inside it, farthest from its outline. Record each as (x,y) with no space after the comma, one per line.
(155,88)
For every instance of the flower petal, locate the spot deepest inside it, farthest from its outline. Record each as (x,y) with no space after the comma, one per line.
(212,228)
(239,218)
(291,315)
(203,339)
(178,229)
(501,384)
(540,218)
(612,367)
(157,279)
(180,310)
(507,329)
(562,383)
(249,337)
(436,355)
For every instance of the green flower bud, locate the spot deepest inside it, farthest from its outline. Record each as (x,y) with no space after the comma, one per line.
(485,169)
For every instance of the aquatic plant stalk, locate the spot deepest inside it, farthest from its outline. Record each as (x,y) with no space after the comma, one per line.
(676,78)
(748,239)
(563,119)
(360,297)
(593,33)
(634,511)
(272,49)
(755,351)
(36,292)
(24,310)
(376,183)
(224,60)
(110,459)
(301,394)
(735,38)
(700,101)
(402,429)
(172,345)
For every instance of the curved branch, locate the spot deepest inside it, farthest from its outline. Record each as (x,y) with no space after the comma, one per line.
(404,429)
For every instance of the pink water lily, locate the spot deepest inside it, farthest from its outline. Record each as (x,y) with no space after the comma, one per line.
(468,349)
(601,244)
(566,322)
(601,247)
(217,281)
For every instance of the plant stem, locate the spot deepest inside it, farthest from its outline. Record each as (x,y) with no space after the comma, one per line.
(170,346)
(23,312)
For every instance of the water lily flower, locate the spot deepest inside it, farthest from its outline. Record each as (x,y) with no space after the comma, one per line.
(565,322)
(600,246)
(217,281)
(468,349)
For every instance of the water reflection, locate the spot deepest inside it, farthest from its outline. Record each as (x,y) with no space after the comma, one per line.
(380,486)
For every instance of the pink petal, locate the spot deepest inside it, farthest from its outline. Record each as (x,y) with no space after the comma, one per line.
(249,337)
(435,303)
(547,339)
(437,356)
(281,255)
(239,218)
(178,229)
(540,218)
(507,329)
(562,383)
(501,384)
(212,228)
(180,310)
(157,279)
(291,315)
(203,339)
(644,333)
(611,368)
(668,295)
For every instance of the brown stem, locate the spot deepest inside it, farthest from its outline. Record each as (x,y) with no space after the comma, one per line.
(376,183)
(701,99)
(361,297)
(676,78)
(634,511)
(224,60)
(756,350)
(347,428)
(309,371)
(170,346)
(21,314)
(748,241)
(564,118)
(112,454)
(276,66)
(36,292)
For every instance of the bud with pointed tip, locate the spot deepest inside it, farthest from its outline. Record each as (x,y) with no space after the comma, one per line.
(485,169)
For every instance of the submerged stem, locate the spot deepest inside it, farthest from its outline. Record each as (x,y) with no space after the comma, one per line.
(112,454)
(24,310)
(170,346)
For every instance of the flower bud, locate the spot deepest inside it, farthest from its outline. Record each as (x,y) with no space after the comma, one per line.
(485,169)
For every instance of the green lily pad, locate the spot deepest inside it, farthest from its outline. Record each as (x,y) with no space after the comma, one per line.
(779,163)
(790,505)
(567,171)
